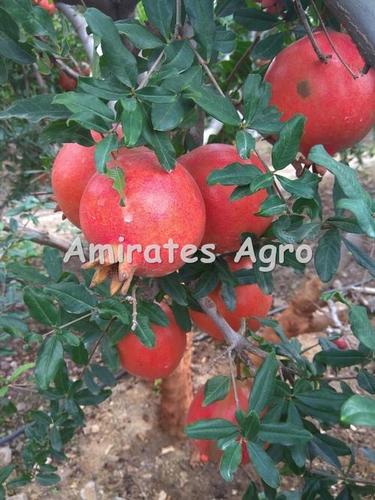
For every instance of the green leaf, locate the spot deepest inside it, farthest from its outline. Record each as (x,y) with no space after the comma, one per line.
(287,146)
(327,255)
(144,332)
(154,313)
(5,472)
(362,211)
(230,460)
(85,398)
(55,438)
(49,360)
(3,71)
(178,82)
(323,404)
(108,89)
(340,359)
(264,384)
(263,465)
(117,59)
(201,16)
(216,389)
(206,282)
(110,308)
(19,53)
(131,120)
(85,103)
(272,205)
(103,374)
(214,428)
(62,131)
(103,150)
(216,105)
(234,174)
(160,14)
(359,410)
(8,26)
(74,298)
(360,256)
(52,262)
(362,327)
(285,434)
(40,306)
(167,116)
(118,177)
(268,47)
(179,56)
(163,147)
(171,285)
(245,144)
(366,381)
(250,425)
(47,478)
(20,371)
(138,34)
(181,314)
(156,94)
(261,181)
(252,93)
(304,187)
(34,109)
(347,224)
(255,19)
(225,40)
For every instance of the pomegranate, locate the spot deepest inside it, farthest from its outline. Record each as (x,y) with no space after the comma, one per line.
(226,219)
(226,409)
(339,109)
(73,167)
(67,82)
(341,343)
(273,6)
(160,208)
(46,5)
(158,361)
(251,302)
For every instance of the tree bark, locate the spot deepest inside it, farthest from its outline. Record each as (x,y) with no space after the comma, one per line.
(177,394)
(358,18)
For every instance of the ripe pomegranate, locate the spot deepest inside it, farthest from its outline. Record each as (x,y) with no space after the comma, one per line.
(226,219)
(250,302)
(67,82)
(46,5)
(339,109)
(72,169)
(158,361)
(341,343)
(226,409)
(273,6)
(159,207)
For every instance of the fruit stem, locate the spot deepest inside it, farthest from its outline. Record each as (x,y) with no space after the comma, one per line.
(302,15)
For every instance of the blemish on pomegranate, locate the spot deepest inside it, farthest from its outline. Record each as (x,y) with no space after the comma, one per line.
(128,218)
(303,88)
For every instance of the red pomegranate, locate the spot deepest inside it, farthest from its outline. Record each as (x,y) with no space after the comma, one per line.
(226,409)
(72,169)
(341,343)
(46,5)
(158,361)
(226,219)
(160,208)
(339,109)
(273,6)
(251,302)
(67,82)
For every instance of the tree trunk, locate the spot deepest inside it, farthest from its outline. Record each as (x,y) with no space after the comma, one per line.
(177,394)
(358,18)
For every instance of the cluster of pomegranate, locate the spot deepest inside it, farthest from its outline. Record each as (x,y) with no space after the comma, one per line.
(181,206)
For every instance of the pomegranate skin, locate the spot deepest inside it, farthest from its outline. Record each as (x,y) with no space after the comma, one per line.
(226,219)
(273,6)
(159,206)
(72,169)
(67,82)
(226,409)
(250,302)
(159,361)
(48,6)
(339,109)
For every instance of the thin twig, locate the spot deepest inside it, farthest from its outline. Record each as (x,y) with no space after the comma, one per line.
(146,78)
(80,25)
(353,479)
(209,73)
(246,54)
(233,376)
(178,24)
(67,69)
(302,15)
(39,79)
(326,32)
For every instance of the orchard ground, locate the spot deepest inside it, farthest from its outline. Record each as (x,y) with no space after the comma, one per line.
(122,453)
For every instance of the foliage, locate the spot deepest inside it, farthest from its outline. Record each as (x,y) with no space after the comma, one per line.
(157,88)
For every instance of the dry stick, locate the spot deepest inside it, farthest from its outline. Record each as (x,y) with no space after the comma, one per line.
(79,24)
(233,376)
(246,54)
(326,32)
(310,34)
(178,24)
(41,238)
(203,63)
(67,69)
(39,79)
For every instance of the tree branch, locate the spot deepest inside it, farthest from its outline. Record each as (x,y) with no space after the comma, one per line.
(42,238)
(79,24)
(302,15)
